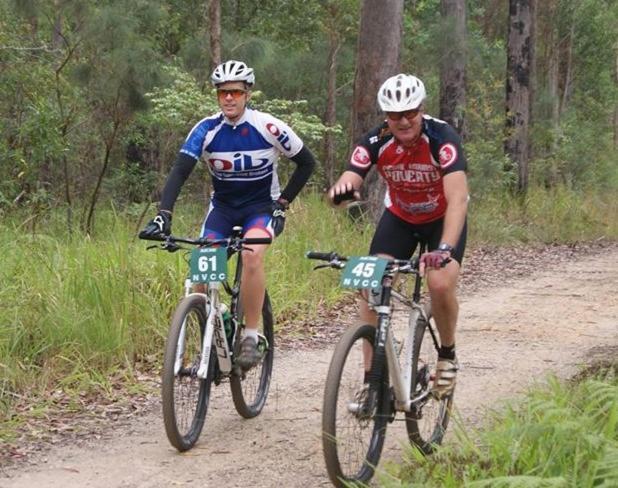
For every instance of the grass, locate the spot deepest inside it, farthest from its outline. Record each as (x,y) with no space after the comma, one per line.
(74,309)
(543,216)
(564,434)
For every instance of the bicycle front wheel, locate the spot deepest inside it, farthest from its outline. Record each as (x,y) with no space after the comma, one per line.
(184,395)
(250,388)
(352,434)
(426,425)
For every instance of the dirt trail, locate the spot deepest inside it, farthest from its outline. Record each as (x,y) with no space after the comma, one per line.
(509,337)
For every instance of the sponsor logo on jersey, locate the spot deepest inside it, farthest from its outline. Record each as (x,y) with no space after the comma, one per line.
(240,163)
(360,157)
(425,207)
(448,154)
(411,173)
(282,136)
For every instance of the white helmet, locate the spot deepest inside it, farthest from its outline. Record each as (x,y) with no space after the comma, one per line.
(401,92)
(232,71)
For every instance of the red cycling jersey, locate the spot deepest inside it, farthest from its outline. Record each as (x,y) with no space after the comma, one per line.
(413,175)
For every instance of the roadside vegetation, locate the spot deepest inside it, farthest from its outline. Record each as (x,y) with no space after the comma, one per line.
(77,310)
(561,434)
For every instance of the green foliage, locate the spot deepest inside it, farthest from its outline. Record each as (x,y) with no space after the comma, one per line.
(560,435)
(76,308)
(545,216)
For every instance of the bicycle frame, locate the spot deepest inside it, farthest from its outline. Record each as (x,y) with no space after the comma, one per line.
(214,318)
(214,325)
(401,377)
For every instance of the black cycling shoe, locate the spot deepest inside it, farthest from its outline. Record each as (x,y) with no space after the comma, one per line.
(249,355)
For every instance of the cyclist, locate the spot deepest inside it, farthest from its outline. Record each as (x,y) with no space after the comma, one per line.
(240,147)
(422,161)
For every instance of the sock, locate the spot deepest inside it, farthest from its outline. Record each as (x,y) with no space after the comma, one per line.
(251,333)
(447,352)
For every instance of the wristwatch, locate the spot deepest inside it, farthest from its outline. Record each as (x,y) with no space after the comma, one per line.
(444,247)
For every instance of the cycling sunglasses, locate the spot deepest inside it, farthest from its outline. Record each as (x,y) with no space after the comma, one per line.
(236,93)
(408,114)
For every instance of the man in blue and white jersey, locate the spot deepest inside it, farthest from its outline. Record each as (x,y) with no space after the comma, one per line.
(240,147)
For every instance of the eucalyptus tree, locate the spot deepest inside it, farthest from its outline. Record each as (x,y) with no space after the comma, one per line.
(519,65)
(453,64)
(378,57)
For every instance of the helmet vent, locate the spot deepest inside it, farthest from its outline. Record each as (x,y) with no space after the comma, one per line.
(400,93)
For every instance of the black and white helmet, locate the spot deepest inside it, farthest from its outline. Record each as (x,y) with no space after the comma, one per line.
(232,71)
(401,92)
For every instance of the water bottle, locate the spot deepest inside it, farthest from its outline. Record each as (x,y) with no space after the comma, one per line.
(227,323)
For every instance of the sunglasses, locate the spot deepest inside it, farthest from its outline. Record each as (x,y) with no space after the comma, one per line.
(235,93)
(408,114)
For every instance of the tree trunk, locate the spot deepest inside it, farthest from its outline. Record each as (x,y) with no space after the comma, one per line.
(378,53)
(453,64)
(568,71)
(519,61)
(616,104)
(214,22)
(330,115)
(109,144)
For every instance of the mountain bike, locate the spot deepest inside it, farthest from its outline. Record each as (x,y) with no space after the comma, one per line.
(204,339)
(365,390)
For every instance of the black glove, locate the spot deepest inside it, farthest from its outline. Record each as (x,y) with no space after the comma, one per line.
(277,210)
(161,224)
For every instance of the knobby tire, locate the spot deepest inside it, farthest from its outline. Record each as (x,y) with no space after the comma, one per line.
(250,388)
(338,420)
(426,428)
(185,396)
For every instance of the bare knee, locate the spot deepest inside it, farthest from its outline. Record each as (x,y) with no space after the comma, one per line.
(252,261)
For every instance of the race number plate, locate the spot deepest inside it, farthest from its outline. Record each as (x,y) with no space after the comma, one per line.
(363,272)
(208,264)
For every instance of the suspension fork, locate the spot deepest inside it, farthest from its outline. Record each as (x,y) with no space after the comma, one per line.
(213,301)
(381,339)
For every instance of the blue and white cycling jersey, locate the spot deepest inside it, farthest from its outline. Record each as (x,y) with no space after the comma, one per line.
(242,157)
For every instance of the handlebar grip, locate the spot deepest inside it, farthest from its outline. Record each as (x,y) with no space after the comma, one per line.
(323,256)
(341,197)
(152,237)
(258,240)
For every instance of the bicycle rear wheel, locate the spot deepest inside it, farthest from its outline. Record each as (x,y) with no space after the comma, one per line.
(250,388)
(184,395)
(426,425)
(352,438)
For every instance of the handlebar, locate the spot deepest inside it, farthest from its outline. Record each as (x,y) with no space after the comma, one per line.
(236,241)
(405,266)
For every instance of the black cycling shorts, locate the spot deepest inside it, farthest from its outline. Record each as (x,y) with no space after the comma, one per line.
(399,238)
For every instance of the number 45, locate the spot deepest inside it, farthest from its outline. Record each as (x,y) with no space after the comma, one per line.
(364,270)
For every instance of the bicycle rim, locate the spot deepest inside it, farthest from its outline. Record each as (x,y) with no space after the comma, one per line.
(185,396)
(426,427)
(250,388)
(352,443)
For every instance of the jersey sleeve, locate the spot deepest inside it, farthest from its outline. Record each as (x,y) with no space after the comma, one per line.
(365,153)
(194,143)
(280,135)
(447,150)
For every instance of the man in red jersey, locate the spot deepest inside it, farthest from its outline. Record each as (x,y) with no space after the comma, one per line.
(422,162)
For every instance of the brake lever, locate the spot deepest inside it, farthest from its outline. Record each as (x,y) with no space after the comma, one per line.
(171,247)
